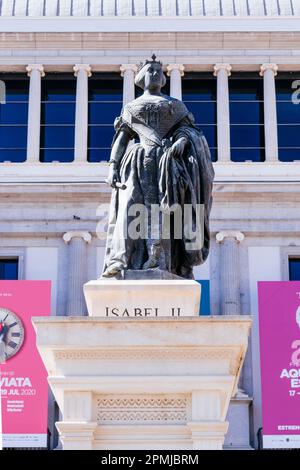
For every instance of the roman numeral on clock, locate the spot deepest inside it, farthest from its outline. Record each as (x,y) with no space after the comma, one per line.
(16,335)
(12,344)
(13,324)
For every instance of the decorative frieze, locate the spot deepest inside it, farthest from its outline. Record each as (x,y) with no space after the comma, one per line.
(142,409)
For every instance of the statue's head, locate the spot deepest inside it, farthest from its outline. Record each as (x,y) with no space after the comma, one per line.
(150,75)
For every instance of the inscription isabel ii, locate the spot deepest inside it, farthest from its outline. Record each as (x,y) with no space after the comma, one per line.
(165,178)
(141,312)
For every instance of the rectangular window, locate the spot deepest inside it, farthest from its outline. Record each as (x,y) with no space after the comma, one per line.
(13,117)
(9,269)
(105,104)
(246,117)
(288,115)
(58,102)
(294,269)
(199,94)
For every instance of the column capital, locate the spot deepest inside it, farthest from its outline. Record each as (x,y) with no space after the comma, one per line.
(172,67)
(264,67)
(226,67)
(239,236)
(125,67)
(86,236)
(38,67)
(85,67)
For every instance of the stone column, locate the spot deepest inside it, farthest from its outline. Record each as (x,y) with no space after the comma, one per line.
(82,72)
(230,271)
(127,72)
(269,72)
(222,72)
(175,72)
(77,271)
(35,72)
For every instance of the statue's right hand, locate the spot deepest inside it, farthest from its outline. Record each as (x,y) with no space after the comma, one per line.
(113,176)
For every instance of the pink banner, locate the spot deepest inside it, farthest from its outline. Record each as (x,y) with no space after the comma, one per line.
(279,326)
(23,378)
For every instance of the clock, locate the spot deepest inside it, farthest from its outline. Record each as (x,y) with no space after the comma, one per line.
(11,334)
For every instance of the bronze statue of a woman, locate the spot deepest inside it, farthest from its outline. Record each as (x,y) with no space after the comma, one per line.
(169,166)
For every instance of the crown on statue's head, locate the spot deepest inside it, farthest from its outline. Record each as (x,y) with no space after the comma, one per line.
(153,61)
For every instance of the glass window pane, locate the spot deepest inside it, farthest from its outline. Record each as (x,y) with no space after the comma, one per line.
(13,155)
(58,155)
(13,137)
(294,269)
(9,269)
(58,118)
(246,117)
(58,113)
(53,89)
(249,88)
(288,155)
(99,155)
(243,155)
(13,118)
(100,136)
(289,136)
(104,113)
(14,113)
(196,87)
(246,112)
(106,89)
(246,136)
(105,104)
(288,112)
(199,96)
(57,136)
(204,112)
(288,117)
(17,87)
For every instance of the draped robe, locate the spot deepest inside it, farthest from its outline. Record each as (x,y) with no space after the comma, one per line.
(151,176)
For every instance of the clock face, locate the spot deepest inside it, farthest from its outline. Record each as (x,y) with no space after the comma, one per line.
(11,334)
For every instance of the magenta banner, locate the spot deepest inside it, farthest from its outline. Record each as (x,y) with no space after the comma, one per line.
(279,327)
(23,378)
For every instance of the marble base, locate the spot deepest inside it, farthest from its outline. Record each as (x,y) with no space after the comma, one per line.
(142,298)
(143,383)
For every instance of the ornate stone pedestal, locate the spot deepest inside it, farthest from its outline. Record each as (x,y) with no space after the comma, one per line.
(143,383)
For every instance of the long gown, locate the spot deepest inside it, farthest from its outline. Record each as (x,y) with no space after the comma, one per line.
(153,178)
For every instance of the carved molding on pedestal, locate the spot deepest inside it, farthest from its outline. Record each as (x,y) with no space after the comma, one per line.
(142,409)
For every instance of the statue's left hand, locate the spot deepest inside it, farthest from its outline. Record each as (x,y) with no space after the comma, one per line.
(178,147)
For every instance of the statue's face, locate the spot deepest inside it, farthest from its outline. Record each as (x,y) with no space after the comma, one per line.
(153,76)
